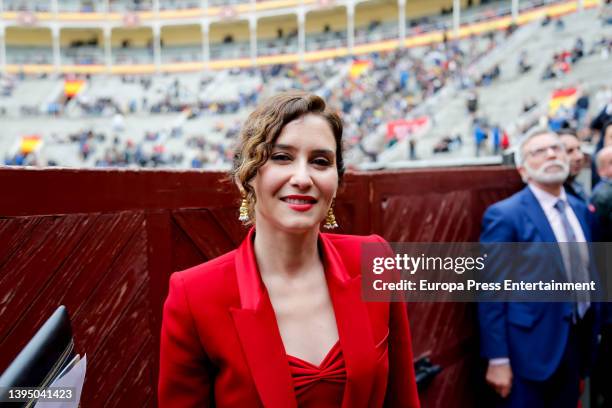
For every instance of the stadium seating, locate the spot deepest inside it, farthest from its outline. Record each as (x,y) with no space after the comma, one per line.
(191,119)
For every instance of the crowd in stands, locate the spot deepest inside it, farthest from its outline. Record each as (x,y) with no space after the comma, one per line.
(563,60)
(388,91)
(392,85)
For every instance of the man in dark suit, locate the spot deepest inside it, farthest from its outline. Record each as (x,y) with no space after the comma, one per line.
(538,352)
(602,203)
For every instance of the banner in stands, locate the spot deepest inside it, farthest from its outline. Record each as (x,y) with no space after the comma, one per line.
(565,97)
(401,128)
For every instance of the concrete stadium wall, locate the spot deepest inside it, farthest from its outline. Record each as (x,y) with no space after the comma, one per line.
(181,35)
(239,30)
(138,37)
(318,19)
(267,27)
(367,12)
(69,35)
(28,36)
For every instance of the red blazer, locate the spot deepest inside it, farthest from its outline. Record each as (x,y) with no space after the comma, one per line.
(220,343)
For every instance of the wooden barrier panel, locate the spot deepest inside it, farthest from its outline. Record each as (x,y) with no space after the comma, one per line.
(104,243)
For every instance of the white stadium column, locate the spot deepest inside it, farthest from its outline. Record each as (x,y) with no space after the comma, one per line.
(350,29)
(205,41)
(108,58)
(580,5)
(401,5)
(253,38)
(55,36)
(2,49)
(157,47)
(54,7)
(456,16)
(205,28)
(301,33)
(515,10)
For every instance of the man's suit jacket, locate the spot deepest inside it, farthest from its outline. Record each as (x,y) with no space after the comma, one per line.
(533,335)
(220,343)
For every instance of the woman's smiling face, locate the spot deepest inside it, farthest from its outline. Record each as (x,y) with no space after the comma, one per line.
(297,184)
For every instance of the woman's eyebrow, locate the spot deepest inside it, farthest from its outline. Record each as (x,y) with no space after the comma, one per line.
(324,151)
(315,151)
(284,147)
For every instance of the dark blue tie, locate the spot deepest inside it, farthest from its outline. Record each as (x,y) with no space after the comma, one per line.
(577,272)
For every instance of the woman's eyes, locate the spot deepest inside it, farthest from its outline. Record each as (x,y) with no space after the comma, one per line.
(281,157)
(319,161)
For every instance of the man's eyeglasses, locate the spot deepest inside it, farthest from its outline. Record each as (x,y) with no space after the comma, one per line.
(541,152)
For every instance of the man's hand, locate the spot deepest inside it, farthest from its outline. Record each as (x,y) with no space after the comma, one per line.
(500,378)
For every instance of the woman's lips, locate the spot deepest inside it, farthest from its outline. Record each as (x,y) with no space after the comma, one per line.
(300,207)
(299,203)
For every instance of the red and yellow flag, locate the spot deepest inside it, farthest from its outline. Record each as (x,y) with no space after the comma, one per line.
(359,67)
(73,87)
(29,143)
(565,97)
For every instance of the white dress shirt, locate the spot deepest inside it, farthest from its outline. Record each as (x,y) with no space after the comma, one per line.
(547,202)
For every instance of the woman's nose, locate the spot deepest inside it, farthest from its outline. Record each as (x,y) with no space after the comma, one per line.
(301,177)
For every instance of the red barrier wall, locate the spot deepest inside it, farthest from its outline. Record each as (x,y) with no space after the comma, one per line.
(104,242)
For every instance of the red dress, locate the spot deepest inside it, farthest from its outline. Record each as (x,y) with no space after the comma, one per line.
(319,386)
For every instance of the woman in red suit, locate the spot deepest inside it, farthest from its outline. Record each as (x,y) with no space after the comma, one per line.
(279,322)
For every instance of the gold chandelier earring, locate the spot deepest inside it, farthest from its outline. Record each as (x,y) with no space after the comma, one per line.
(244,211)
(330,218)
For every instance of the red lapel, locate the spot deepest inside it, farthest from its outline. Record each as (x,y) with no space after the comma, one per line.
(354,327)
(263,346)
(259,335)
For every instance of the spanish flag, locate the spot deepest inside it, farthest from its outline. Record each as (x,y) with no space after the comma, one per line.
(30,143)
(358,68)
(72,87)
(565,97)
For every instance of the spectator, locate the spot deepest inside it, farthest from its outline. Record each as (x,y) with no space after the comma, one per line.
(472,102)
(505,141)
(118,123)
(523,64)
(480,135)
(602,193)
(576,162)
(496,138)
(412,146)
(605,139)
(602,202)
(582,107)
(534,350)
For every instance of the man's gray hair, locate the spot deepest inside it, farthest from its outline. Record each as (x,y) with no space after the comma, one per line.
(519,156)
